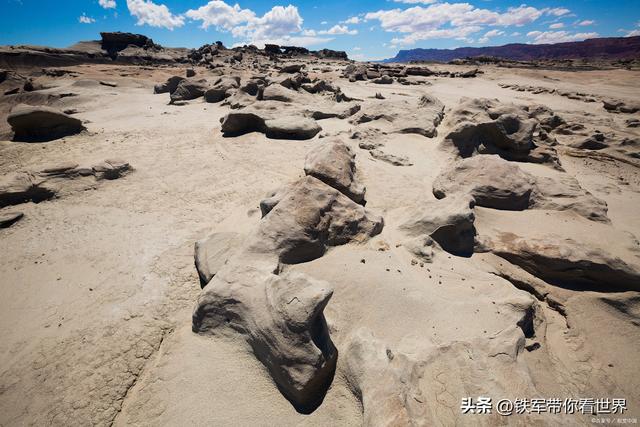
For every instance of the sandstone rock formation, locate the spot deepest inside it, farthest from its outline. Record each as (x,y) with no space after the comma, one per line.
(213,252)
(28,186)
(422,118)
(496,183)
(386,383)
(483,126)
(281,314)
(188,89)
(41,123)
(567,262)
(450,222)
(333,163)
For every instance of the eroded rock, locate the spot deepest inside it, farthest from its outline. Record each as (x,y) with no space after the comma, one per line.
(333,163)
(40,123)
(213,252)
(496,183)
(189,89)
(484,126)
(421,117)
(386,383)
(567,262)
(450,222)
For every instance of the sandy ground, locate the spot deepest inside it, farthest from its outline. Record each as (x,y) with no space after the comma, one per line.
(97,286)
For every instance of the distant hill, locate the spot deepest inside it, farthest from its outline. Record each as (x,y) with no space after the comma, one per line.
(602,48)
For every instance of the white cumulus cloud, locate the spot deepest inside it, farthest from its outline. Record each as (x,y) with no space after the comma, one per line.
(84,19)
(281,25)
(451,20)
(154,15)
(490,34)
(107,4)
(353,20)
(586,23)
(339,29)
(556,26)
(548,37)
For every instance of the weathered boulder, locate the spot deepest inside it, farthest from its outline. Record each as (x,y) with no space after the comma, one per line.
(384,80)
(405,116)
(484,126)
(169,86)
(319,86)
(213,252)
(189,89)
(566,262)
(291,127)
(596,141)
(617,106)
(355,72)
(276,92)
(291,68)
(281,317)
(333,163)
(22,187)
(111,169)
(496,183)
(245,121)
(450,222)
(28,186)
(490,180)
(309,216)
(40,123)
(223,88)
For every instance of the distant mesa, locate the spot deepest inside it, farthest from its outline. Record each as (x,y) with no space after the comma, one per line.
(601,48)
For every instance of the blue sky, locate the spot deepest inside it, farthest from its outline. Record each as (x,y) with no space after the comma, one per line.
(372,29)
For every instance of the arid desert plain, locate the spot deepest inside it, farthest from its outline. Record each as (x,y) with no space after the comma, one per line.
(259,238)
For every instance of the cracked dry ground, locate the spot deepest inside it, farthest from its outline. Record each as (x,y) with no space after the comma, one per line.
(98,285)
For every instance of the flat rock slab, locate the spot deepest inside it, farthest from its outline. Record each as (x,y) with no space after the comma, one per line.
(40,123)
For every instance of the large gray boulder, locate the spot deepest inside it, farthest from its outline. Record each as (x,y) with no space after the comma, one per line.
(449,222)
(223,88)
(333,162)
(567,262)
(291,127)
(189,89)
(485,126)
(245,121)
(169,86)
(499,184)
(280,315)
(421,117)
(213,252)
(309,216)
(40,123)
(491,181)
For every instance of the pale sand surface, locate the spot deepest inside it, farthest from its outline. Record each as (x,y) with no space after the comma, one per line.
(98,285)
